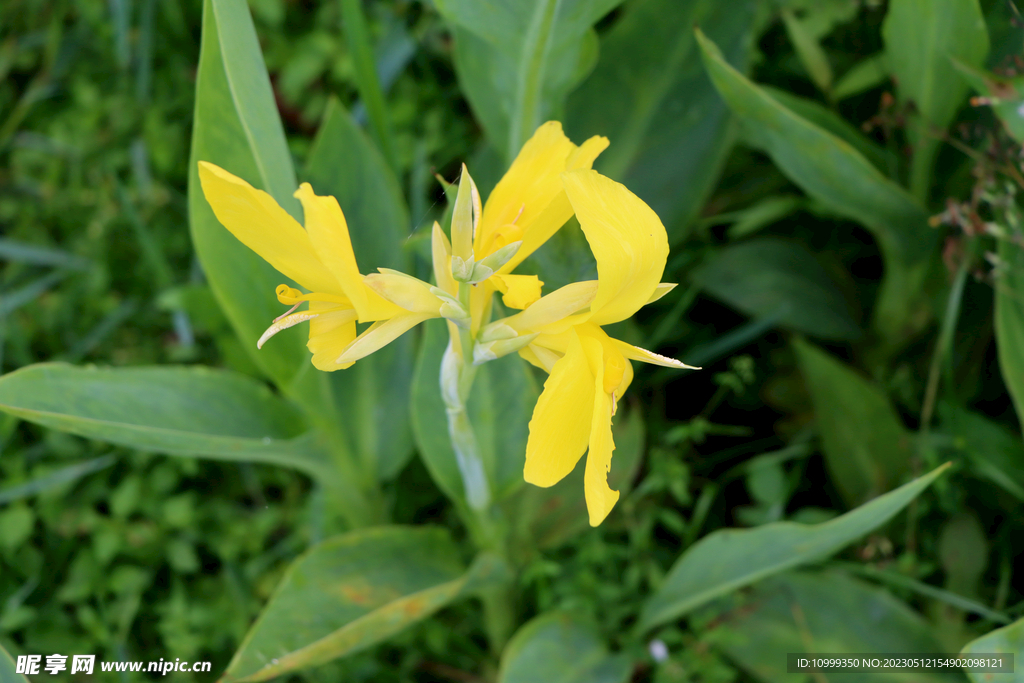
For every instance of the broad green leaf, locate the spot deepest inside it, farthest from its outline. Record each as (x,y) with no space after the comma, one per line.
(1006,640)
(866,447)
(8,669)
(996,453)
(836,613)
(177,410)
(372,395)
(1004,94)
(772,277)
(669,130)
(236,126)
(350,592)
(517,59)
(920,38)
(828,120)
(501,404)
(1010,321)
(551,516)
(728,559)
(555,648)
(828,168)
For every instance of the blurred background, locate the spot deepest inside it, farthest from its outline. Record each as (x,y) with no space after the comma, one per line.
(134,555)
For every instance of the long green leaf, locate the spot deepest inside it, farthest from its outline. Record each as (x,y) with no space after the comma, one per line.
(669,128)
(732,558)
(866,447)
(500,406)
(8,669)
(1006,640)
(834,612)
(236,126)
(1010,321)
(825,166)
(371,396)
(553,647)
(517,59)
(920,38)
(768,276)
(350,592)
(176,410)
(832,171)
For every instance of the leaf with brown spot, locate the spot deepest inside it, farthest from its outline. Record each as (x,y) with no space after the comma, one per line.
(353,591)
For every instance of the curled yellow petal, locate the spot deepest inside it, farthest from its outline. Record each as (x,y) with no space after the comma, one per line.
(261,224)
(561,419)
(518,291)
(290,296)
(628,241)
(328,233)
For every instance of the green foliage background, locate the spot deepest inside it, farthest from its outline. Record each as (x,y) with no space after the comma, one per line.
(846,234)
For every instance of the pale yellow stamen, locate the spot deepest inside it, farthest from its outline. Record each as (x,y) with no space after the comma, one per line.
(284,324)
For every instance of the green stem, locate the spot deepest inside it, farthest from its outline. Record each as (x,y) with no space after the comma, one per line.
(353,489)
(532,64)
(487,527)
(358,36)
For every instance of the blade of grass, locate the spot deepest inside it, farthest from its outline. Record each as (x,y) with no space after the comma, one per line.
(11,301)
(899,580)
(12,250)
(59,477)
(354,22)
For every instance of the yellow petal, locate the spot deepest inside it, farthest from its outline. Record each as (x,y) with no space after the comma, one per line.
(556,306)
(262,225)
(627,238)
(441,253)
(328,233)
(561,419)
(530,195)
(518,291)
(381,334)
(404,290)
(645,356)
(540,357)
(330,333)
(661,290)
(599,496)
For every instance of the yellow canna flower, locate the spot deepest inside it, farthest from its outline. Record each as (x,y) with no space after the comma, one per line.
(588,370)
(527,206)
(320,258)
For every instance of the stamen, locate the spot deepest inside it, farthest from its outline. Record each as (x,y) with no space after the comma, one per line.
(284,324)
(521,209)
(287,312)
